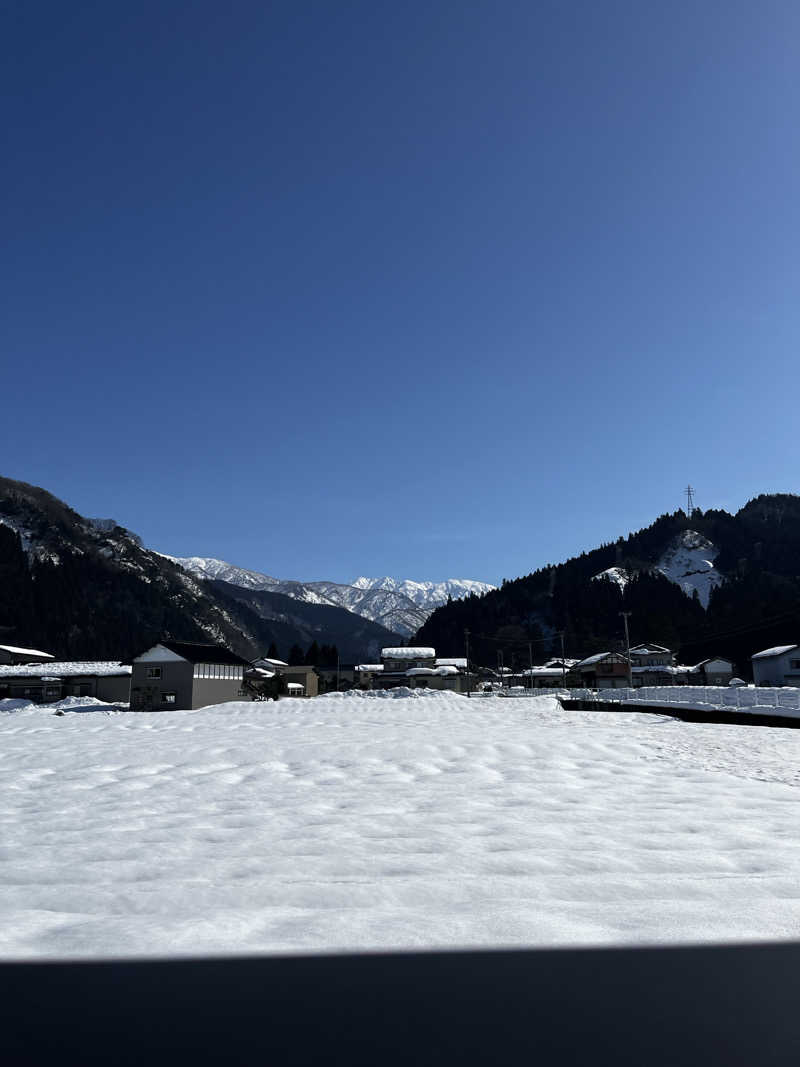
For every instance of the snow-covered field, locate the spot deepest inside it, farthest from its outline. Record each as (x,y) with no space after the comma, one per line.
(368,821)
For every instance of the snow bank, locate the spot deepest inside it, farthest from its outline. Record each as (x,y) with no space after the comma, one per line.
(390,819)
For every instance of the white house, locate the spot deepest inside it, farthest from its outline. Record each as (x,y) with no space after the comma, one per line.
(777,666)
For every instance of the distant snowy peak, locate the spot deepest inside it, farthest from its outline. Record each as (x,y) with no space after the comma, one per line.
(219,570)
(400,606)
(688,561)
(427,595)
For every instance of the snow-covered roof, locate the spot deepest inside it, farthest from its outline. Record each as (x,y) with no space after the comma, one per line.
(25,651)
(557,661)
(294,685)
(452,662)
(543,672)
(261,672)
(779,650)
(369,667)
(420,670)
(271,662)
(596,658)
(644,650)
(408,653)
(663,668)
(441,672)
(68,669)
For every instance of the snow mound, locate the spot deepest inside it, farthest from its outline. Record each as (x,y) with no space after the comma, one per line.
(13,704)
(401,692)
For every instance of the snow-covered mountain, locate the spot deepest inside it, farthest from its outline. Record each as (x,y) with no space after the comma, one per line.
(400,605)
(688,561)
(219,570)
(427,595)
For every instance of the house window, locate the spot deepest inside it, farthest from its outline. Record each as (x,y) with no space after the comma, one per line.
(153,672)
(169,698)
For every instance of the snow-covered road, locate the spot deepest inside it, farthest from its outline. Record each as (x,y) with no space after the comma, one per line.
(369,822)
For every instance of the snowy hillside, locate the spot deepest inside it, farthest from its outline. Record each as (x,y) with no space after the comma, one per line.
(218,569)
(371,821)
(689,562)
(614,574)
(400,606)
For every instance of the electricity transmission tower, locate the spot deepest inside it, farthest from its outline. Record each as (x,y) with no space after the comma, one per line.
(689,501)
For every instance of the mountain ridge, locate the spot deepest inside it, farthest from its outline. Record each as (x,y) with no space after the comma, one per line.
(401,605)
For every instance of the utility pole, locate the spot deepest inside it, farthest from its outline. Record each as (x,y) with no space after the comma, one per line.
(563,664)
(625,615)
(530,658)
(469,676)
(500,667)
(337,670)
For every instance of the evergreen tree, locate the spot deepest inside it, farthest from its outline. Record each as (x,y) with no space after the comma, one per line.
(312,657)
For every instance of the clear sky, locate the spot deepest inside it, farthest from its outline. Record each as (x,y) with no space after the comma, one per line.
(430,289)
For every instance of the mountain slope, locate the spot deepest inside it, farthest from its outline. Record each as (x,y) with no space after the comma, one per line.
(86,589)
(299,622)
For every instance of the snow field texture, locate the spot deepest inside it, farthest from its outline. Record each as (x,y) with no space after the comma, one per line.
(390,821)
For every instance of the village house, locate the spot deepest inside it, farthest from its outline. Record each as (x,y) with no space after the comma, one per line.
(10,654)
(604,670)
(544,677)
(182,676)
(301,680)
(364,675)
(714,671)
(651,655)
(418,668)
(777,666)
(46,683)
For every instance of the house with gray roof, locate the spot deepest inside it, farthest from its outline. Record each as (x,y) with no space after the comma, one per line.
(777,666)
(182,676)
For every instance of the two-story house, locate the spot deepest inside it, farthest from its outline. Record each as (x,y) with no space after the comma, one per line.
(182,676)
(604,670)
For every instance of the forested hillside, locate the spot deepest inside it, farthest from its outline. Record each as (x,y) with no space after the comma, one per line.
(87,589)
(754,556)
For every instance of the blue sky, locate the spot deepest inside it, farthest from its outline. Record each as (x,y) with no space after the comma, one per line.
(425,289)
